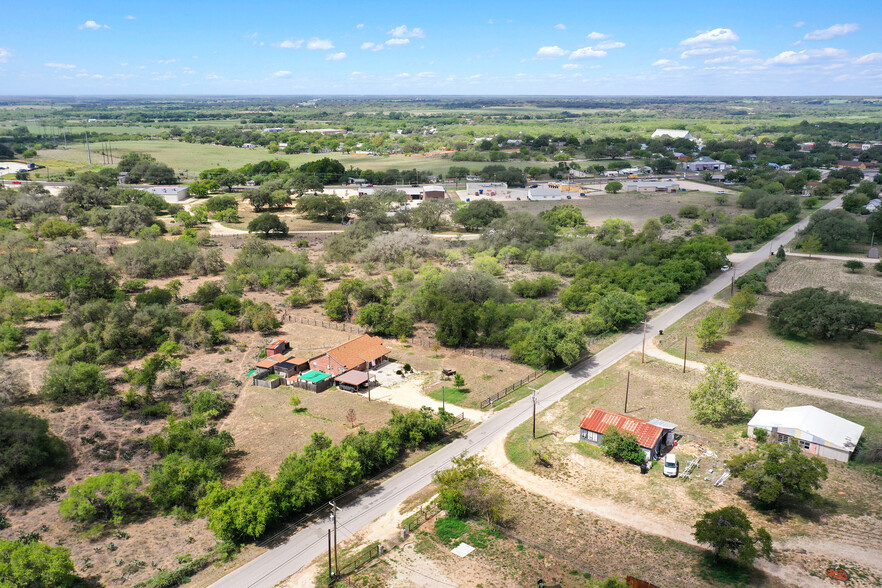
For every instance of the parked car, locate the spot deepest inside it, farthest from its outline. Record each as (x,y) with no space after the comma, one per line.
(534,186)
(671,468)
(721,191)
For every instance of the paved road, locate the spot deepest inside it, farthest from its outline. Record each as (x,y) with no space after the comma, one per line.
(286,559)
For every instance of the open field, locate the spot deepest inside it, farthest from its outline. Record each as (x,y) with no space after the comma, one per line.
(194,157)
(800,272)
(846,367)
(660,390)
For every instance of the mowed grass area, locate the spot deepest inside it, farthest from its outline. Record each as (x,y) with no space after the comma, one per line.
(847,367)
(660,390)
(800,272)
(195,157)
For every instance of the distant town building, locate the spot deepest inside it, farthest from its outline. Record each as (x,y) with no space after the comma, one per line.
(544,194)
(673,134)
(169,193)
(705,163)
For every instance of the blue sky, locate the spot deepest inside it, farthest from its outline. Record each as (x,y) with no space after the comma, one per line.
(808,47)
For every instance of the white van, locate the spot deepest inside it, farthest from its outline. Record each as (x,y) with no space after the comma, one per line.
(671,467)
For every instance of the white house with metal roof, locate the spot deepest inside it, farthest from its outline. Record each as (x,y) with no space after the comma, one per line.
(673,134)
(817,431)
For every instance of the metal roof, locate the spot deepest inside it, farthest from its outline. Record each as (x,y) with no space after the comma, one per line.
(314,376)
(663,424)
(599,420)
(811,424)
(352,377)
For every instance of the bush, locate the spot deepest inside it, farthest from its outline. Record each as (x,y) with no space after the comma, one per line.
(111,497)
(28,450)
(854,265)
(67,384)
(778,473)
(815,313)
(622,447)
(750,198)
(34,564)
(542,286)
(778,203)
(156,259)
(689,211)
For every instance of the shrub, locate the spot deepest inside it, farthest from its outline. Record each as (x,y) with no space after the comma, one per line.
(28,449)
(35,564)
(542,286)
(156,259)
(71,383)
(689,211)
(112,497)
(819,314)
(622,447)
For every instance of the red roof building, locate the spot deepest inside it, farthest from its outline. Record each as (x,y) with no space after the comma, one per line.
(651,437)
(276,347)
(358,354)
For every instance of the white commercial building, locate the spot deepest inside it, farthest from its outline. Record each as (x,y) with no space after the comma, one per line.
(544,194)
(817,431)
(169,193)
(673,134)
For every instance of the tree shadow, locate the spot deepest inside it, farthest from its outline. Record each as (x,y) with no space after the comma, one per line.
(728,572)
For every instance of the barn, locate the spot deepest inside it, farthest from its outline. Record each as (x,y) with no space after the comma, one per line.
(653,436)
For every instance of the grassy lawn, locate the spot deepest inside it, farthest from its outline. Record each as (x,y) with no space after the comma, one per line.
(524,390)
(452,395)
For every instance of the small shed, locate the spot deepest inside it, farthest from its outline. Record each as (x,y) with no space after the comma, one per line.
(352,381)
(313,380)
(276,347)
(264,366)
(291,366)
(434,192)
(653,439)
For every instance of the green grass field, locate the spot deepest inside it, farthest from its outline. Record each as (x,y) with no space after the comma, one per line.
(194,157)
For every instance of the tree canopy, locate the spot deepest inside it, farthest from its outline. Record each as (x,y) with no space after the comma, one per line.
(778,473)
(816,313)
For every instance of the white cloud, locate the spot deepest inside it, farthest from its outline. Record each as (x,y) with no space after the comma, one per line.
(60,65)
(560,27)
(551,52)
(282,73)
(403,32)
(290,44)
(250,35)
(799,25)
(572,66)
(587,53)
(164,61)
(5,54)
(869,58)
(426,74)
(316,44)
(664,63)
(610,45)
(370,45)
(715,36)
(124,63)
(707,51)
(594,36)
(397,41)
(92,25)
(129,17)
(402,75)
(212,76)
(836,30)
(336,56)
(360,25)
(733,59)
(797,57)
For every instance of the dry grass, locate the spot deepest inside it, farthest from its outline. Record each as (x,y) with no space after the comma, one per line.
(660,390)
(800,272)
(262,415)
(847,367)
(483,375)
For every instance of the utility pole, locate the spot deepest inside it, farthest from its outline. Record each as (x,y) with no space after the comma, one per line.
(534,411)
(732,287)
(334,518)
(685,343)
(627,390)
(330,567)
(443,405)
(643,352)
(89,149)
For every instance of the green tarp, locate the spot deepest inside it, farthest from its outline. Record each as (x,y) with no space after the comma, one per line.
(314,376)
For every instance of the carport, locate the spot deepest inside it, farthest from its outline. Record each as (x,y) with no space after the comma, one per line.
(352,381)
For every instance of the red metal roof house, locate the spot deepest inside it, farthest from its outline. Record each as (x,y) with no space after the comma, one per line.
(276,347)
(653,436)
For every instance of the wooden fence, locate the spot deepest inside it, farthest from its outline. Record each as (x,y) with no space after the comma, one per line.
(348,328)
(421,517)
(430,343)
(511,388)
